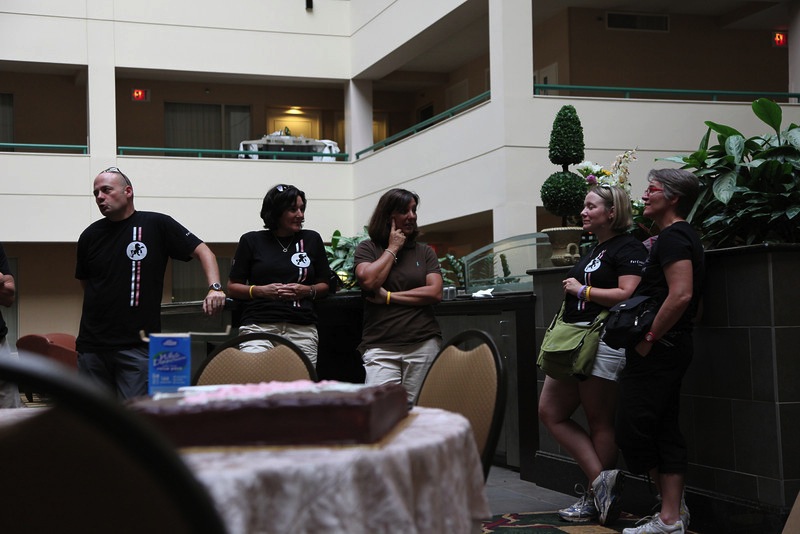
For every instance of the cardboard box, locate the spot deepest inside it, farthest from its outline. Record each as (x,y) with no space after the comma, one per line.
(170,365)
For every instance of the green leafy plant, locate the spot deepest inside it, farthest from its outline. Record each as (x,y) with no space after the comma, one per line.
(563,192)
(452,270)
(750,187)
(341,256)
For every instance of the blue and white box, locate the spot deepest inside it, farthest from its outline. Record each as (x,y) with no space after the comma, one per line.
(170,363)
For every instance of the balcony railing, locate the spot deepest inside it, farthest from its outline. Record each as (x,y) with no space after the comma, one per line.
(629,92)
(38,147)
(205,152)
(426,123)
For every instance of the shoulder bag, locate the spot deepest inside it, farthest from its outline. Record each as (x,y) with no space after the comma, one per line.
(568,349)
(629,321)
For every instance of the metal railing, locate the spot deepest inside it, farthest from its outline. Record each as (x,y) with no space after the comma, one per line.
(213,152)
(427,122)
(627,92)
(37,147)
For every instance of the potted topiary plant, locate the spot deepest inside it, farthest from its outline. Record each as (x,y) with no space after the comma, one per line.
(563,192)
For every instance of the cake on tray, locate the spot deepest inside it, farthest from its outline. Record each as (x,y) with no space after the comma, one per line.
(276,413)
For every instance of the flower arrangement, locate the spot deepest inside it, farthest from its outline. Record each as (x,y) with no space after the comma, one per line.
(619,175)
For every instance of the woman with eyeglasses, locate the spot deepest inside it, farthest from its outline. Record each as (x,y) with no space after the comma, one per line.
(648,432)
(607,275)
(278,272)
(401,281)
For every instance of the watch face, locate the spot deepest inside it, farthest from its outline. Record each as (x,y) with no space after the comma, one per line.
(216,286)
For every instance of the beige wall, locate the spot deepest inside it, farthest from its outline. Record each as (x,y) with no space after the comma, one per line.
(695,54)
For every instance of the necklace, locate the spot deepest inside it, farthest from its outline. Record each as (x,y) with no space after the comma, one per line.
(285,248)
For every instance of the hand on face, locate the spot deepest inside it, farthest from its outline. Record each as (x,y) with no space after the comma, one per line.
(396,237)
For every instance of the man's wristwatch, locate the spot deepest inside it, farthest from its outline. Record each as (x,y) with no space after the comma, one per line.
(216,286)
(650,337)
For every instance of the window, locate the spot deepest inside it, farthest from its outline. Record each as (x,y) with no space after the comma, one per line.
(6,119)
(205,126)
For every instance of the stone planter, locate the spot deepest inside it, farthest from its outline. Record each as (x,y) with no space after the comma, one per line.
(565,244)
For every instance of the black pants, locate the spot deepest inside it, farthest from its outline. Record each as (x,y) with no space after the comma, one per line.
(647,429)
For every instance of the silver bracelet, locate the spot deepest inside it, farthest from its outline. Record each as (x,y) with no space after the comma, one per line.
(393,254)
(313,293)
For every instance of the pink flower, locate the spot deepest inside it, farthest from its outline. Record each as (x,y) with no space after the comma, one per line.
(592,179)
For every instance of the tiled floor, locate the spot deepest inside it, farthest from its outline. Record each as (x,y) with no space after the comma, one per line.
(507,493)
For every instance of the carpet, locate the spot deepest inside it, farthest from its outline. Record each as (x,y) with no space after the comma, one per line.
(550,523)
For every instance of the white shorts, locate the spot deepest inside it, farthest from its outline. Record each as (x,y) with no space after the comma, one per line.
(608,363)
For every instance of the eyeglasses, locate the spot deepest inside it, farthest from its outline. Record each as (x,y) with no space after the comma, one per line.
(650,190)
(116,170)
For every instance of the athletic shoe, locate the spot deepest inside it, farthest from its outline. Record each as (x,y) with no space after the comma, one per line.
(684,510)
(654,525)
(607,489)
(581,511)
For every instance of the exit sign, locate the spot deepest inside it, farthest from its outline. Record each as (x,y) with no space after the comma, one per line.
(140,95)
(780,39)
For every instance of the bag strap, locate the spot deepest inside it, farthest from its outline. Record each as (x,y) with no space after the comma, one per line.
(558,315)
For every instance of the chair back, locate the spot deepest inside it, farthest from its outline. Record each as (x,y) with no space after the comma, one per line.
(227,364)
(87,448)
(468,377)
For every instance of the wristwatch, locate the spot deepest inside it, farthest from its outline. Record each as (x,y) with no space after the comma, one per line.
(650,337)
(216,286)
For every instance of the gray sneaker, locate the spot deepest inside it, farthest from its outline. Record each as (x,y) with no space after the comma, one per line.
(654,525)
(581,511)
(607,489)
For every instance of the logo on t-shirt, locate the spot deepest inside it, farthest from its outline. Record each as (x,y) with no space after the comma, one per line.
(137,251)
(595,264)
(301,259)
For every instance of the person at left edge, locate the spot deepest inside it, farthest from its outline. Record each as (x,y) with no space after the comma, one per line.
(121,263)
(9,393)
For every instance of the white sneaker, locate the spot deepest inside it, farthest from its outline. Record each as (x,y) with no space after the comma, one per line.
(654,525)
(580,512)
(607,489)
(683,511)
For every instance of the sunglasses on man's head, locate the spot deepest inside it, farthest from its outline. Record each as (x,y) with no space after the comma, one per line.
(116,170)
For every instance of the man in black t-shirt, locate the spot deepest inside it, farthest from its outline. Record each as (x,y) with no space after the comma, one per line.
(121,263)
(9,393)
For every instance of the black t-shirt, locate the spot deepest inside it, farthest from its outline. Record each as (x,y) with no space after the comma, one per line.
(260,260)
(676,242)
(5,269)
(618,256)
(122,265)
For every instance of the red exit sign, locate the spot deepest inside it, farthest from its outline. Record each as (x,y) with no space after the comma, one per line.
(140,95)
(780,39)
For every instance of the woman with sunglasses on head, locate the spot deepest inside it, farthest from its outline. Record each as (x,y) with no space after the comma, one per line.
(278,272)
(607,275)
(648,432)
(401,281)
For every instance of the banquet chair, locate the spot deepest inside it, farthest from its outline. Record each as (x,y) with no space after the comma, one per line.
(87,464)
(227,364)
(468,377)
(56,346)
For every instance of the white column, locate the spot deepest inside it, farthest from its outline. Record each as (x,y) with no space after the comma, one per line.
(794,46)
(511,74)
(358,116)
(101,95)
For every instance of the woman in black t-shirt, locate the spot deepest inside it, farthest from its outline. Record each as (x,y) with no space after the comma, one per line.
(604,277)
(278,272)
(648,432)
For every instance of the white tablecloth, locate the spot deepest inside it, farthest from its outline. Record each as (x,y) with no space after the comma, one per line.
(425,477)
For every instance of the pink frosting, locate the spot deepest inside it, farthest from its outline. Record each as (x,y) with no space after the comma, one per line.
(227,392)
